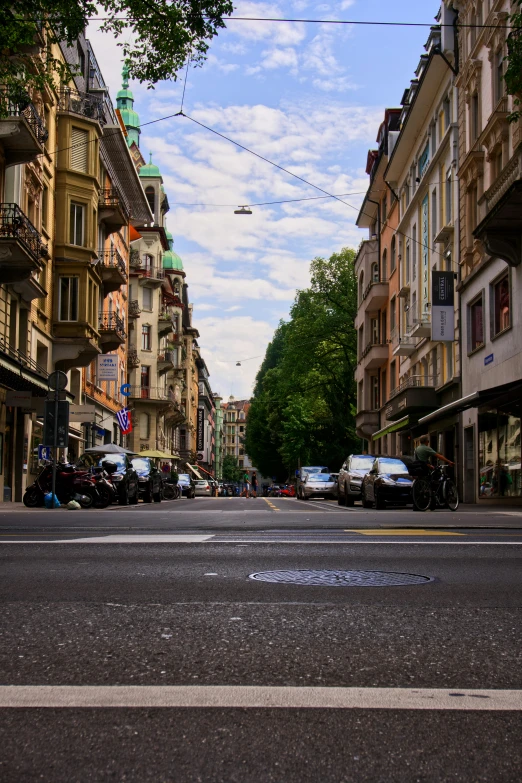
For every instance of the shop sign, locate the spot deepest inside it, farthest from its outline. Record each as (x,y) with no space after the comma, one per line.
(107,368)
(442,307)
(18,399)
(200,433)
(82,413)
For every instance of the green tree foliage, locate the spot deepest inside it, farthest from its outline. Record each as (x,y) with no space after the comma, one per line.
(161,35)
(231,470)
(304,401)
(513,72)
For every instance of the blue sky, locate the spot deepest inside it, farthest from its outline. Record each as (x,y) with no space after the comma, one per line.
(309,97)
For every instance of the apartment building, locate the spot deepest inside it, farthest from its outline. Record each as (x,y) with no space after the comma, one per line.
(205,426)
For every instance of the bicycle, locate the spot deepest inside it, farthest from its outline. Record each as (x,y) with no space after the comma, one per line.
(438,490)
(170,491)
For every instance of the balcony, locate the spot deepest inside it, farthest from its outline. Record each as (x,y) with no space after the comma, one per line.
(366,423)
(151,275)
(419,325)
(134,310)
(153,394)
(113,210)
(402,345)
(21,246)
(134,259)
(404,290)
(112,332)
(113,270)
(415,395)
(82,104)
(375,295)
(374,355)
(133,359)
(22,131)
(166,361)
(165,323)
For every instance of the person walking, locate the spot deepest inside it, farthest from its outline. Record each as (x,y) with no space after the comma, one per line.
(254,485)
(246,481)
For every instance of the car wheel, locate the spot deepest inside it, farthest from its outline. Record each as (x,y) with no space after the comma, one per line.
(192,494)
(135,498)
(349,500)
(124,496)
(365,503)
(147,495)
(379,502)
(157,496)
(341,498)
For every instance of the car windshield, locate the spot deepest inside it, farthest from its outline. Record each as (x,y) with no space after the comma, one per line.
(184,477)
(90,460)
(320,477)
(141,464)
(362,463)
(314,469)
(392,466)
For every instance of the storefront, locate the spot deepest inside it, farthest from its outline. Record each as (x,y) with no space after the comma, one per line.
(499,451)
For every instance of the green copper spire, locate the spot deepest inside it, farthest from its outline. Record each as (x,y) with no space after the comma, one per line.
(150,169)
(171,260)
(125,103)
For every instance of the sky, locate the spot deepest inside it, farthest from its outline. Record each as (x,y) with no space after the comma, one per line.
(310,98)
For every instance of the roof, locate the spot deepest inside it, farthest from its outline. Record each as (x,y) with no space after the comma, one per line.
(150,169)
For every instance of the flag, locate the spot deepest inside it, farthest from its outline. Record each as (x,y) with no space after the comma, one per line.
(124,420)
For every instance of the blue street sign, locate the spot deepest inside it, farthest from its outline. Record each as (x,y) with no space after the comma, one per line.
(488,359)
(125,389)
(44,452)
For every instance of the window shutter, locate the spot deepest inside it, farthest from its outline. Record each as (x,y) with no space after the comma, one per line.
(79,149)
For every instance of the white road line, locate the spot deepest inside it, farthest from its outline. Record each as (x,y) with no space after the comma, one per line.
(120,539)
(207,539)
(234,696)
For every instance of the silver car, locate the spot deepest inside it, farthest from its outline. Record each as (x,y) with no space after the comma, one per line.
(317,485)
(202,487)
(353,471)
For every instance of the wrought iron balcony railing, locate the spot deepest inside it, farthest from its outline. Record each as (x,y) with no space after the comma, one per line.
(416,382)
(111,322)
(133,359)
(153,272)
(82,103)
(135,258)
(156,393)
(12,105)
(21,358)
(14,224)
(111,259)
(111,197)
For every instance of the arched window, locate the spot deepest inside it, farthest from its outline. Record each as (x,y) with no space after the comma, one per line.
(384,266)
(393,256)
(361,287)
(375,272)
(151,198)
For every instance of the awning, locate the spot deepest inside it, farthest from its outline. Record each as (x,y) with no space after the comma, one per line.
(195,471)
(157,454)
(205,471)
(396,425)
(497,395)
(469,401)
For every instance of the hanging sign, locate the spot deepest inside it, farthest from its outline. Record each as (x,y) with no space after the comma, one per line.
(442,306)
(200,436)
(107,367)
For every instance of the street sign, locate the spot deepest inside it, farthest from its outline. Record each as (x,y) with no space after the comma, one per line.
(57,380)
(44,452)
(107,367)
(56,421)
(82,413)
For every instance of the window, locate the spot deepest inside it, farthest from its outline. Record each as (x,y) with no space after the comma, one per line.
(449,200)
(408,262)
(393,376)
(147,262)
(375,272)
(374,329)
(383,386)
(496,164)
(384,209)
(434,210)
(476,317)
(414,253)
(472,212)
(68,298)
(45,206)
(77,224)
(151,198)
(501,305)
(424,160)
(144,425)
(146,337)
(446,108)
(393,255)
(384,266)
(81,60)
(147,298)
(498,76)
(79,149)
(475,117)
(374,380)
(433,139)
(145,380)
(393,314)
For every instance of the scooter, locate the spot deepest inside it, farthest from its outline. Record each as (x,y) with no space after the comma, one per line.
(71,484)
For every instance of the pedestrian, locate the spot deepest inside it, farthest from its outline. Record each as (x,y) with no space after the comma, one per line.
(246,481)
(254,485)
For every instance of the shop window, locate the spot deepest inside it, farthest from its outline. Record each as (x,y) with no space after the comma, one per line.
(77,224)
(499,453)
(68,298)
(146,337)
(476,324)
(501,305)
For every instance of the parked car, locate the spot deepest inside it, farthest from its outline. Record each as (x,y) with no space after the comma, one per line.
(203,488)
(306,470)
(124,478)
(317,485)
(353,470)
(186,485)
(388,482)
(149,479)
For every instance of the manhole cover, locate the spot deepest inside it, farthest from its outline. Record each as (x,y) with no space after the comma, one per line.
(342,578)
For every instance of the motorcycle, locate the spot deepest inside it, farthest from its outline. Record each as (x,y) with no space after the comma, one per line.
(71,484)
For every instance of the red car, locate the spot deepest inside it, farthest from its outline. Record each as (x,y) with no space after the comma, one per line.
(288,491)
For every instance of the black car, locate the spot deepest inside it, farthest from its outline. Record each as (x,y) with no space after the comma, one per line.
(387,482)
(186,485)
(149,479)
(124,478)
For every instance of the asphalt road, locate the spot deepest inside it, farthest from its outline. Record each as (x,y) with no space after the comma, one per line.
(323,682)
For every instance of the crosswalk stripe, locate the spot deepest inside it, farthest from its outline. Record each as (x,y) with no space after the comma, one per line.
(246,696)
(402,532)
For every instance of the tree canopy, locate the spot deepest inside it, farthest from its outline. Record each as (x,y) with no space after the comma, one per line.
(231,470)
(162,35)
(304,401)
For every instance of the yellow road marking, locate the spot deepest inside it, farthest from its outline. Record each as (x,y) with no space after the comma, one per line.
(274,508)
(403,532)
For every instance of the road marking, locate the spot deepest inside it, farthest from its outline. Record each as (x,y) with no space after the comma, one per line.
(234,696)
(121,539)
(274,508)
(402,532)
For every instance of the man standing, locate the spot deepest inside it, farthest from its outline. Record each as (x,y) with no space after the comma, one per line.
(254,485)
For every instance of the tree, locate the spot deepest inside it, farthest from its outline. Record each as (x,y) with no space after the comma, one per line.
(304,401)
(162,35)
(231,471)
(513,72)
